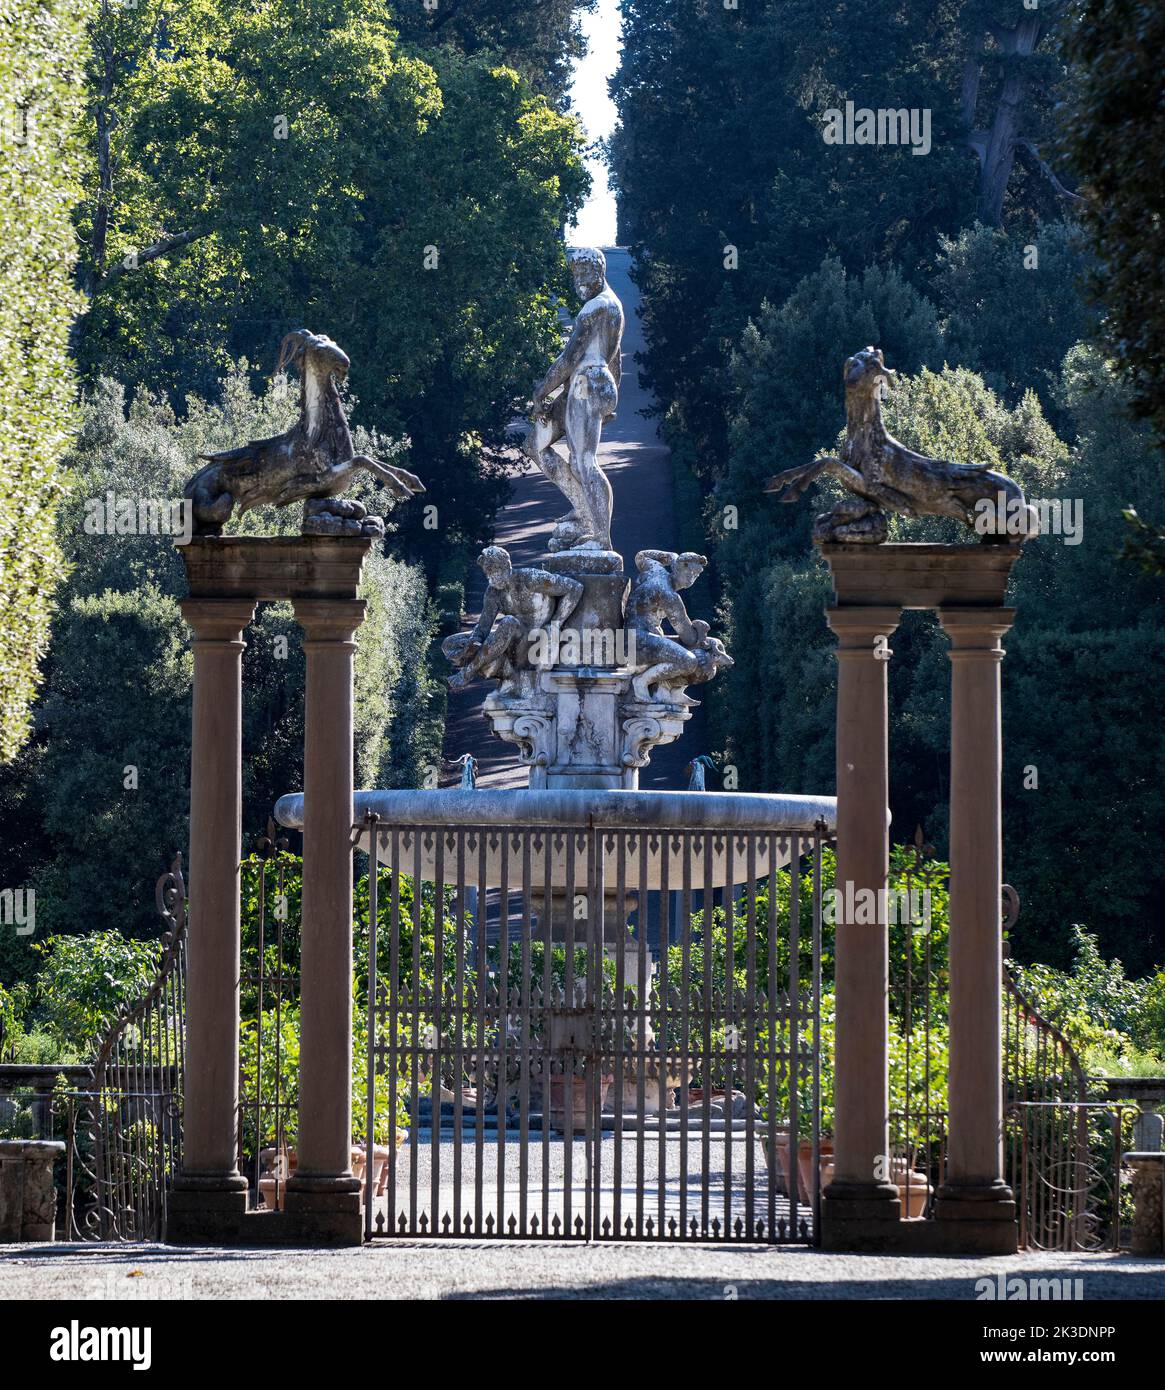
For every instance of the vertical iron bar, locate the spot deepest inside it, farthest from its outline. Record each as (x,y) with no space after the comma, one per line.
(415,1041)
(795,1042)
(503,1024)
(394,1034)
(524,1080)
(662,1001)
(482,930)
(731,1032)
(460,1005)
(774,1016)
(620,1036)
(686,1024)
(373,822)
(437,1026)
(640,1033)
(545,1053)
(707,1004)
(751,1038)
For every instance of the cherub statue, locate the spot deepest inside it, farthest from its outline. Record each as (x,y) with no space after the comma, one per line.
(588,369)
(312,463)
(663,665)
(886,476)
(517,602)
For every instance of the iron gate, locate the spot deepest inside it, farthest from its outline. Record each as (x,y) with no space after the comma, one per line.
(592,1033)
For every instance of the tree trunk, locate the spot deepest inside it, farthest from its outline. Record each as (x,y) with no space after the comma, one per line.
(997,146)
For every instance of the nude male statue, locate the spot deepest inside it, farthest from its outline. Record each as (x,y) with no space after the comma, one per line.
(588,369)
(516,602)
(664,664)
(655,594)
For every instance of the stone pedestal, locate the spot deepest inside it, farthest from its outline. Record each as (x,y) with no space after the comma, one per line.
(585,750)
(210,1185)
(974,1188)
(582,728)
(555,920)
(1148,1236)
(28,1199)
(600,610)
(861,1192)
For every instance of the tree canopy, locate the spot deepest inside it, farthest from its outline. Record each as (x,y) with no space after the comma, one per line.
(41,53)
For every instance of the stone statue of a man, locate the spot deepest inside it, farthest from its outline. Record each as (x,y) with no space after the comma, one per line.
(655,594)
(517,602)
(588,370)
(664,665)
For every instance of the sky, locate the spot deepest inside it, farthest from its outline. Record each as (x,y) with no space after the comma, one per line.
(603,29)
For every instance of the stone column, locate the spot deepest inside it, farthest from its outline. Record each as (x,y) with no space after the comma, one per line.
(860,1191)
(323,1187)
(975,1189)
(1148,1235)
(210,1191)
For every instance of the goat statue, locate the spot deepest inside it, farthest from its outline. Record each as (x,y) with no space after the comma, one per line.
(313,462)
(885,476)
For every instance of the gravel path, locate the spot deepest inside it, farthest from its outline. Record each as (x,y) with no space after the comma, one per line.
(538,1270)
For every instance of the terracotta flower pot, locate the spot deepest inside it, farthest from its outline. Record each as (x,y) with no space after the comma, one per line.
(804,1165)
(578,1089)
(913,1188)
(658,1091)
(271,1187)
(277,1168)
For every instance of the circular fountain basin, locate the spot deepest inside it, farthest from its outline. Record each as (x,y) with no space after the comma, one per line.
(712,831)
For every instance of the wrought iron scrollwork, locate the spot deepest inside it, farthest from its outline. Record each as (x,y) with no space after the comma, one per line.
(123,1131)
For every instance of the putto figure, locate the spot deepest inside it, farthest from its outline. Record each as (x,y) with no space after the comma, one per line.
(312,463)
(588,371)
(663,665)
(517,602)
(886,476)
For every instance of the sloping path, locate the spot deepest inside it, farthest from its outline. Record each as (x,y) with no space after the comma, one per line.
(638,465)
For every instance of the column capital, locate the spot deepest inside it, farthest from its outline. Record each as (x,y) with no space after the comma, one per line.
(329,619)
(856,626)
(218,619)
(976,631)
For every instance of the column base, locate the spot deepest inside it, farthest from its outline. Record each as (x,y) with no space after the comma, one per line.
(205,1209)
(859,1216)
(321,1211)
(975,1202)
(325,1211)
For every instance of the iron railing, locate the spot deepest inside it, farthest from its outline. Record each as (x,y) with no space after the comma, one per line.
(1063,1148)
(556,1078)
(123,1130)
(918,1012)
(269,981)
